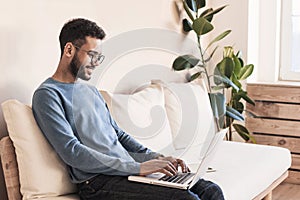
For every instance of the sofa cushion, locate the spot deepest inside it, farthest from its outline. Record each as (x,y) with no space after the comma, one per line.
(42,173)
(143,116)
(245,170)
(190,116)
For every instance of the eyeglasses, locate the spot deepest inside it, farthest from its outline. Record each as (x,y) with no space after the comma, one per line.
(95,56)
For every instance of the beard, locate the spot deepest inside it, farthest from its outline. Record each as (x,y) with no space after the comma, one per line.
(78,70)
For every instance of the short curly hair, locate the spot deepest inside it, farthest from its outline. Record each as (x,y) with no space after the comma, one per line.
(76,30)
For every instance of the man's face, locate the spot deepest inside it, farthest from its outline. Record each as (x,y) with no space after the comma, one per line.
(85,59)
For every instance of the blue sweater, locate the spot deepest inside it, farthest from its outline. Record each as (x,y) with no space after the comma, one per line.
(76,121)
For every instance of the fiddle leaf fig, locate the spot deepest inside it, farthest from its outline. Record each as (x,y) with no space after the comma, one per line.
(226,76)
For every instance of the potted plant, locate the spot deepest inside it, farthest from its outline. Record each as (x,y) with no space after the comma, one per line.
(227,74)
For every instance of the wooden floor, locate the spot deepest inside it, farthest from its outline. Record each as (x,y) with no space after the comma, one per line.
(286,191)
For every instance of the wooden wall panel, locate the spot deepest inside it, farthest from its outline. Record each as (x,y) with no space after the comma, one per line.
(293,144)
(271,92)
(294,177)
(273,126)
(295,162)
(275,120)
(275,110)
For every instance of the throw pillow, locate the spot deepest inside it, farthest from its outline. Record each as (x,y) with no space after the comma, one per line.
(143,116)
(42,173)
(190,116)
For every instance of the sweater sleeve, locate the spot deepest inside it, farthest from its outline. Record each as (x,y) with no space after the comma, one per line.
(50,116)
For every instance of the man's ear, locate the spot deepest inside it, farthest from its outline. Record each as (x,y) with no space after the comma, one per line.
(69,49)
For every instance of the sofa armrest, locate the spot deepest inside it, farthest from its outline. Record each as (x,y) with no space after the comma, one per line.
(10,169)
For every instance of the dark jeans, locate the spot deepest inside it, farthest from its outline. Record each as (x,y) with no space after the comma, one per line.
(119,188)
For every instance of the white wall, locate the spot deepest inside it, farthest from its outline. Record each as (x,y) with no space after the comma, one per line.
(235,18)
(29,51)
(29,34)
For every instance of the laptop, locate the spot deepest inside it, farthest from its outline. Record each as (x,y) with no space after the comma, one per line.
(186,180)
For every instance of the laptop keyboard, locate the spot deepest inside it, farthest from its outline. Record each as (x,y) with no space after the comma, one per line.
(178,178)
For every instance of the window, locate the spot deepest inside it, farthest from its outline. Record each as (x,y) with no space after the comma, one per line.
(264,39)
(296,36)
(290,40)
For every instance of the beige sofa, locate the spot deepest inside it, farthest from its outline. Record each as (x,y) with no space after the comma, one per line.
(244,171)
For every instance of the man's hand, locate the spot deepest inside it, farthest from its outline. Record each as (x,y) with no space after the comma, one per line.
(158,165)
(176,162)
(167,165)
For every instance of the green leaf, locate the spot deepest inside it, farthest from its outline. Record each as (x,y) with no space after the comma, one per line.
(187,26)
(201,26)
(234,114)
(201,3)
(237,96)
(243,132)
(218,79)
(237,66)
(228,52)
(212,54)
(239,106)
(244,95)
(249,100)
(218,38)
(236,82)
(246,71)
(241,94)
(194,5)
(252,139)
(217,74)
(209,15)
(186,8)
(218,104)
(225,67)
(185,62)
(219,87)
(205,12)
(241,61)
(195,76)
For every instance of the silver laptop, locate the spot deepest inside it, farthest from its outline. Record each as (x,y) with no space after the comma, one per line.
(185,180)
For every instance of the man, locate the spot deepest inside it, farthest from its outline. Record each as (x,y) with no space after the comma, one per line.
(74,118)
